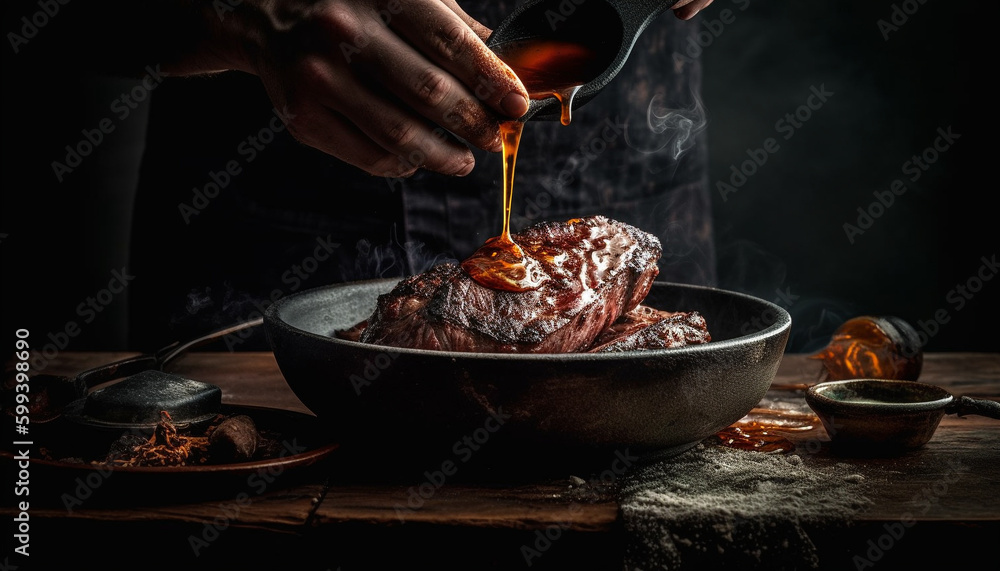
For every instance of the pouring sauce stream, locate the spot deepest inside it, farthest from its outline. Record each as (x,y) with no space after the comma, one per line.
(547,68)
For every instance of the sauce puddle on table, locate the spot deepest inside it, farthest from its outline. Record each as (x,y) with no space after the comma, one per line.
(761,429)
(547,68)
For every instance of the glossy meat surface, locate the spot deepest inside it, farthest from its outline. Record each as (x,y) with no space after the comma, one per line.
(593,271)
(648,328)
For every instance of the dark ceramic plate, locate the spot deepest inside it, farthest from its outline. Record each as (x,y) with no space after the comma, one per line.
(73,484)
(388,401)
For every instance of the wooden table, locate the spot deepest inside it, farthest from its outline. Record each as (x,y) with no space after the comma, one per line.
(322,522)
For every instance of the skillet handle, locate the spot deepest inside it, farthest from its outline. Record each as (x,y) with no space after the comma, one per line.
(968,405)
(167,354)
(639,12)
(158,360)
(111,371)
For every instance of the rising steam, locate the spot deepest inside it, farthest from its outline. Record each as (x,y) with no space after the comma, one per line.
(674,129)
(393,259)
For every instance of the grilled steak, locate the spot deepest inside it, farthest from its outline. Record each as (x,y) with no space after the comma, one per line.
(593,270)
(352,333)
(647,328)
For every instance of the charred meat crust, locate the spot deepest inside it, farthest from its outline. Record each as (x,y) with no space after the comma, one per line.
(648,328)
(599,269)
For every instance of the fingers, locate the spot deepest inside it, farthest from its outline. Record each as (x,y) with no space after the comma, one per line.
(402,133)
(342,116)
(328,131)
(482,31)
(431,92)
(446,39)
(686,9)
(392,85)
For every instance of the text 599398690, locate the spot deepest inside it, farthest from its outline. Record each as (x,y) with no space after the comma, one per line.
(22,442)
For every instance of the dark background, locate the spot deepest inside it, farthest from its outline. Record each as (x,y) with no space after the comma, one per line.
(782,231)
(784,228)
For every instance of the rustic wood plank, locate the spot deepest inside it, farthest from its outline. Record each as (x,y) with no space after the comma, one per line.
(524,507)
(953,478)
(283,510)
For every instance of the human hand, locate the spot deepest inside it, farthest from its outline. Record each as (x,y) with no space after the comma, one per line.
(385,85)
(686,9)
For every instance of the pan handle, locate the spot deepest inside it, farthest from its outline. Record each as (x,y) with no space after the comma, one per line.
(967,405)
(171,352)
(158,360)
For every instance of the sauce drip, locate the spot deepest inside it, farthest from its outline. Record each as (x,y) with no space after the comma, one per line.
(547,68)
(760,429)
(753,437)
(500,263)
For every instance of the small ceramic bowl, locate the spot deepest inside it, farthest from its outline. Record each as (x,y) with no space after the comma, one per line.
(879,416)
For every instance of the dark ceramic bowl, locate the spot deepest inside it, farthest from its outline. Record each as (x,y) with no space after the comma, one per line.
(876,415)
(388,399)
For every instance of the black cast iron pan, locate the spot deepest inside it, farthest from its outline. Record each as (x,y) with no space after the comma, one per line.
(521,410)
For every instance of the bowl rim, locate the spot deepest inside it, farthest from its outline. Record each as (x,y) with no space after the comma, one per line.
(781,325)
(816,397)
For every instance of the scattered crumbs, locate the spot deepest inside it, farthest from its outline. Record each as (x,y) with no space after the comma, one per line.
(592,491)
(714,506)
